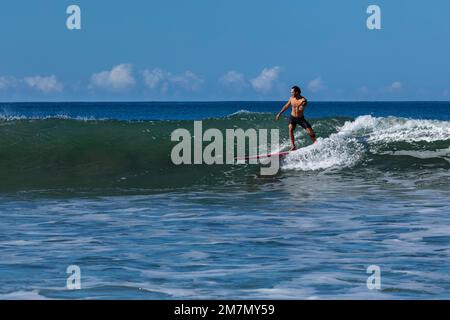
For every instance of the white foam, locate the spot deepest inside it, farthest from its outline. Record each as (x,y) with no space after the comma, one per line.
(241,112)
(393,129)
(7,117)
(345,148)
(326,153)
(23,295)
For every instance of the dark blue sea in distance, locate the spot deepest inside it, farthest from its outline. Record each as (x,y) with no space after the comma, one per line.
(206,110)
(93,185)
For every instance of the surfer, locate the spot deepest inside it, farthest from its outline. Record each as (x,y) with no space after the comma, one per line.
(298,104)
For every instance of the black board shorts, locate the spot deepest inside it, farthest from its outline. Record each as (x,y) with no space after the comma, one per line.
(301,121)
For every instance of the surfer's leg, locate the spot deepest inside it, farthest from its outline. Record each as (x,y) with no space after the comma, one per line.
(307,126)
(312,135)
(291,135)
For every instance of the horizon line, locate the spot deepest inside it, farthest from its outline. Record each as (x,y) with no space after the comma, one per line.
(205,101)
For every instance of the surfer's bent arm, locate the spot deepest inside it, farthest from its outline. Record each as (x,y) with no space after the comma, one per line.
(286,106)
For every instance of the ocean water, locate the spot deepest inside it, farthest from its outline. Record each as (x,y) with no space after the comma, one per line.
(93,185)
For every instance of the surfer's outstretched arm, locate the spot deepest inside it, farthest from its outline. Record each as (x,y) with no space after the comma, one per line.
(283,109)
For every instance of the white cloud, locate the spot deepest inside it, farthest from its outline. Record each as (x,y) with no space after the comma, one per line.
(118,78)
(264,81)
(154,77)
(396,86)
(316,85)
(232,78)
(189,81)
(7,82)
(158,78)
(44,84)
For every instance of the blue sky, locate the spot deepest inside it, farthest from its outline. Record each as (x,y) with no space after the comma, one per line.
(224,50)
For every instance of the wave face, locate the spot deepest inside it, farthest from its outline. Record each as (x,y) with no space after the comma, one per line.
(62,153)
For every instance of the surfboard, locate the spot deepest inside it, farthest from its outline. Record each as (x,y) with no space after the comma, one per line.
(264,156)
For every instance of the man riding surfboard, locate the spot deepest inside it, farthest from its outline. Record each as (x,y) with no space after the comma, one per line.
(298,104)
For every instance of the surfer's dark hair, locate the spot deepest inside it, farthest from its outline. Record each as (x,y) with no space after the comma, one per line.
(297,89)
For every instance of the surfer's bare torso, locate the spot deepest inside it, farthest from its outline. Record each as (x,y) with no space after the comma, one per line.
(298,106)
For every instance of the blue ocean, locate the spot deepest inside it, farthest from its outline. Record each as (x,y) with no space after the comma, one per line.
(92,185)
